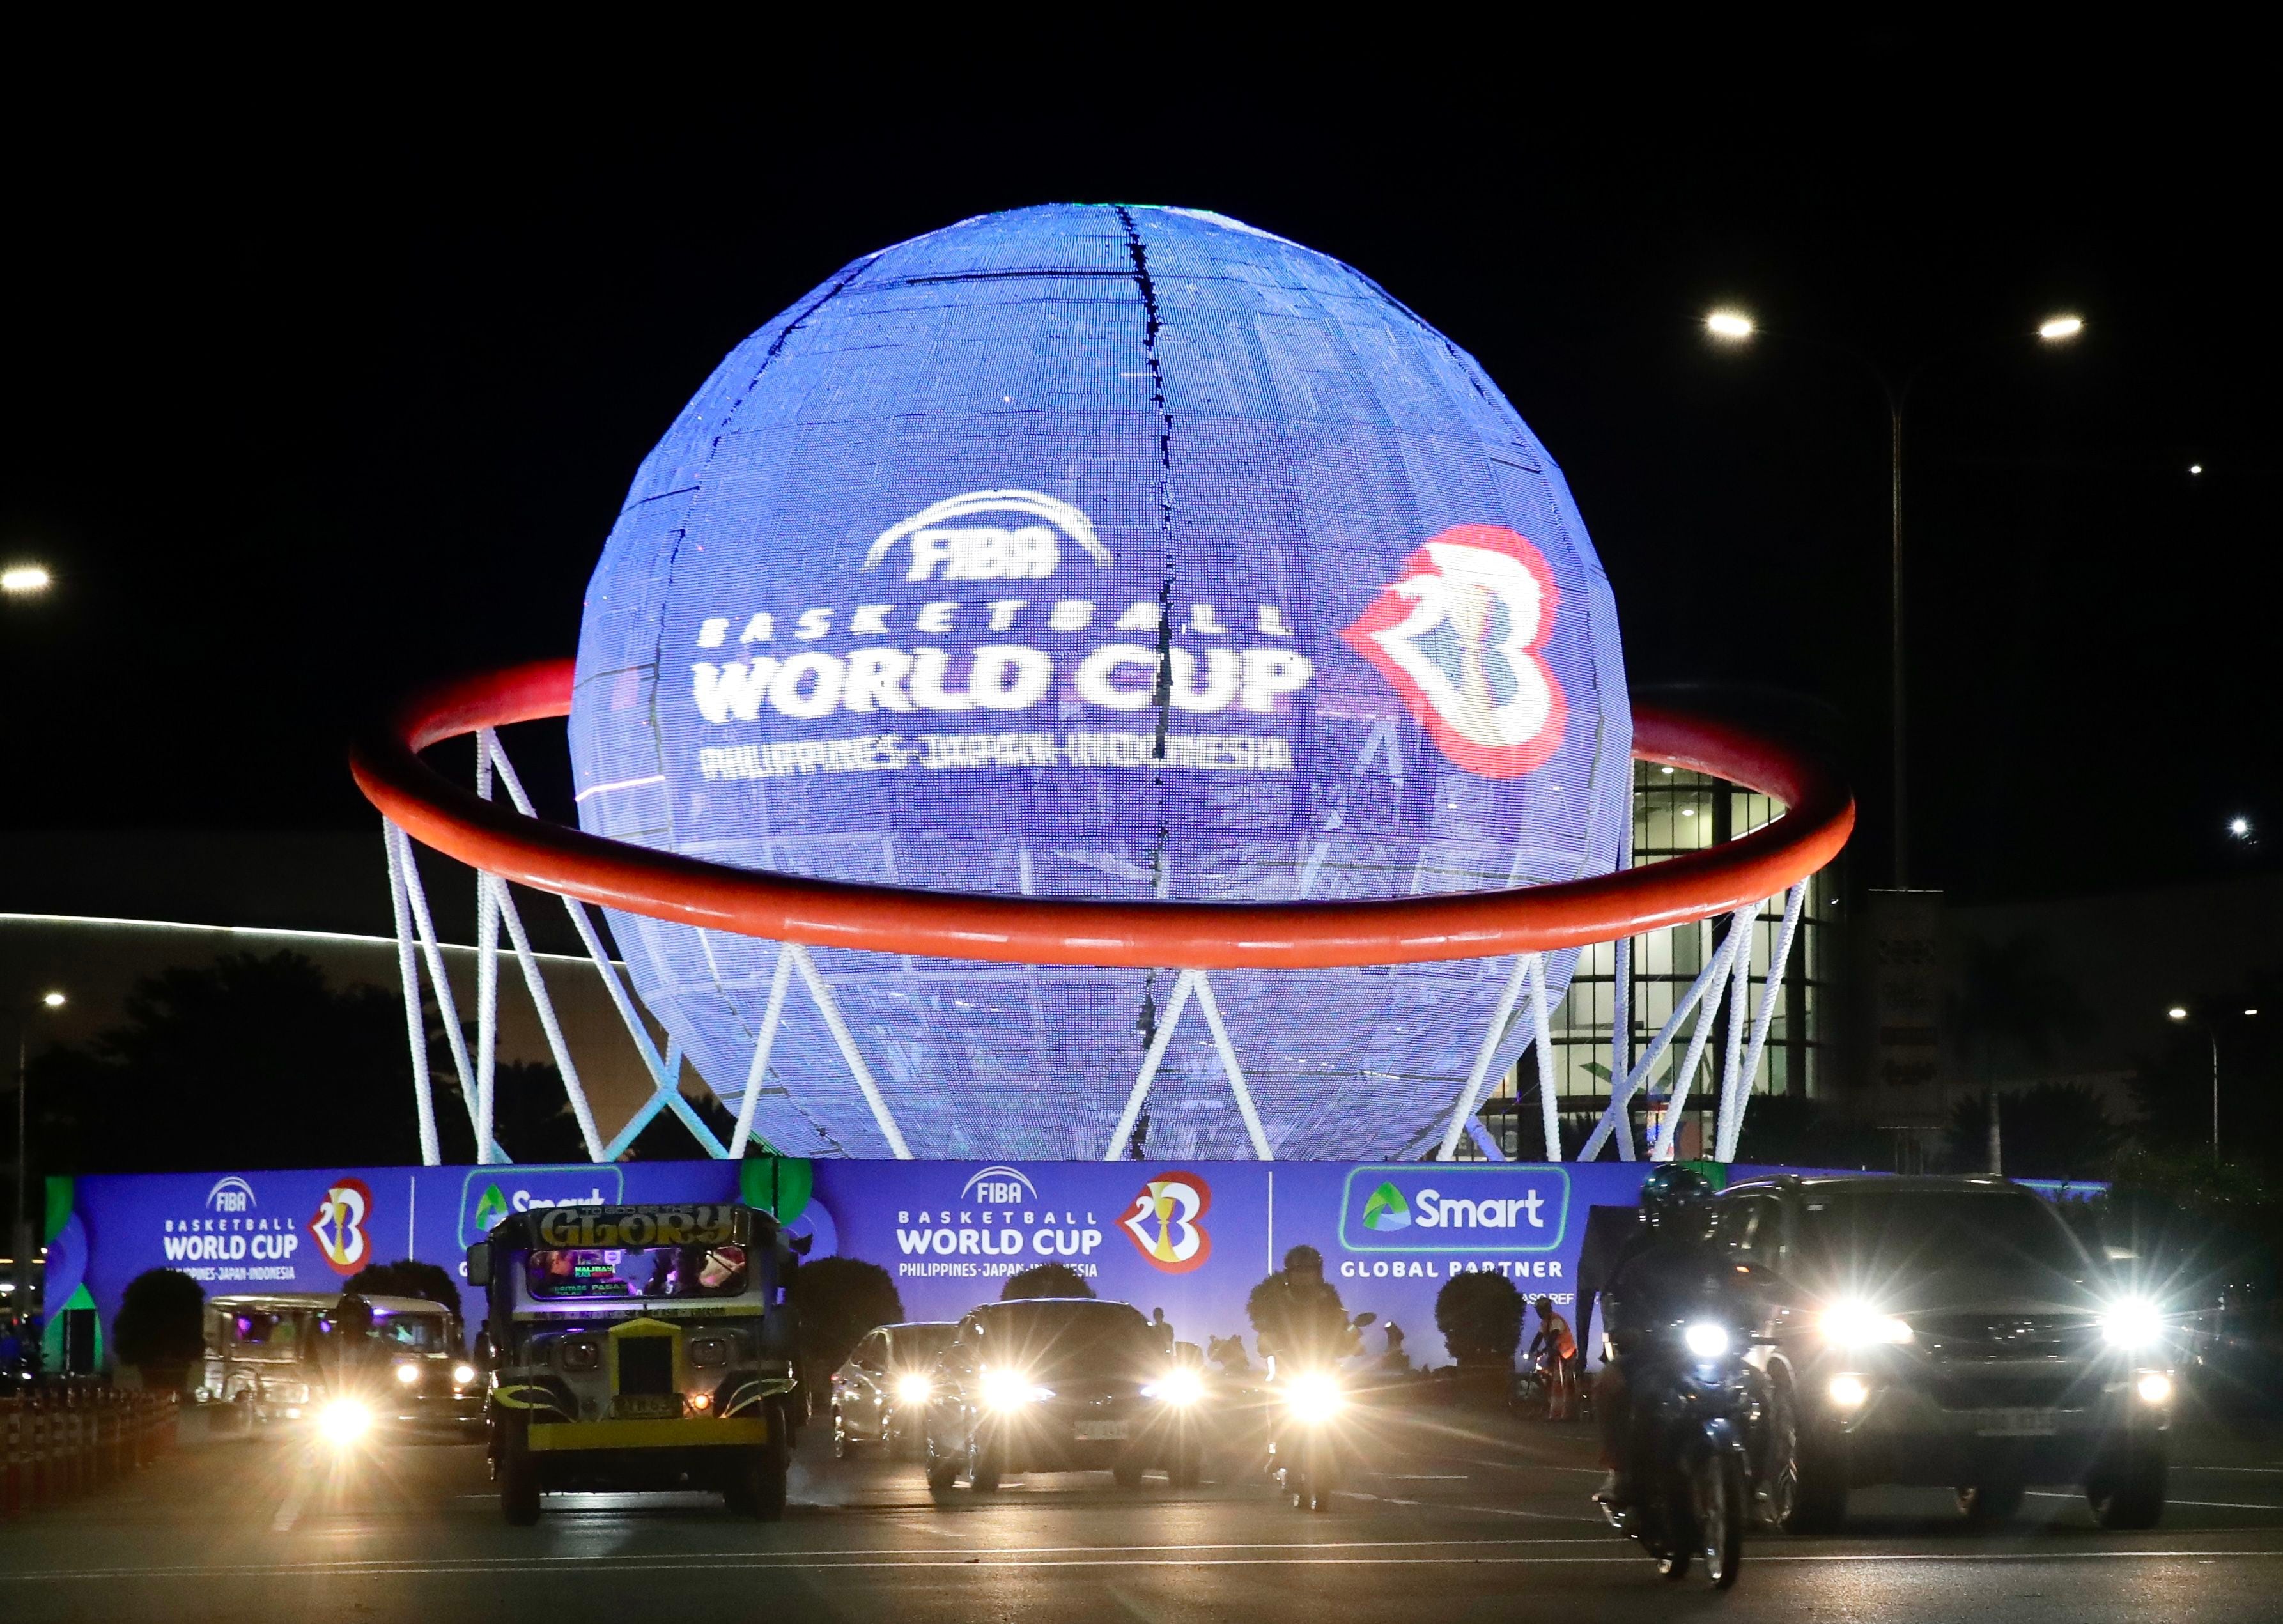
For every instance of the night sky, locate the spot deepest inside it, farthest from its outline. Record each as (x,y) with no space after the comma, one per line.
(308,401)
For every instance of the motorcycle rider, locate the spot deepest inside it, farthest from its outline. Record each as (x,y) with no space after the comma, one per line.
(1298,1315)
(1669,1271)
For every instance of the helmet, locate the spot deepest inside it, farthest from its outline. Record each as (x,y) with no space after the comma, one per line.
(1668,1191)
(1304,1260)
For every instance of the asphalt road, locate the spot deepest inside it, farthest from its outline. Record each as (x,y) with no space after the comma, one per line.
(1467,1520)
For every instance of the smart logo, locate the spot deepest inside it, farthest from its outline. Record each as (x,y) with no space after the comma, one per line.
(1455,1208)
(489,1194)
(1386,1209)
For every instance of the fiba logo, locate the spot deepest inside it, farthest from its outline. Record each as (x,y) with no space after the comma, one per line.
(999,1187)
(338,1226)
(1461,635)
(232,1194)
(990,553)
(1166,1222)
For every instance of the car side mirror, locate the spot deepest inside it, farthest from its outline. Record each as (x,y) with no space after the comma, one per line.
(480,1264)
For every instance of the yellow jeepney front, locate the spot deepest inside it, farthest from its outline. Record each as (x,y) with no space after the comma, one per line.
(653,1401)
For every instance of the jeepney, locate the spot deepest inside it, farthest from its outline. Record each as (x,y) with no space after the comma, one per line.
(261,1352)
(430,1385)
(639,1348)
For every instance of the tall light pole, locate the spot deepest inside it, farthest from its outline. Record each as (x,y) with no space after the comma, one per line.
(1732,326)
(23,1236)
(2180,1012)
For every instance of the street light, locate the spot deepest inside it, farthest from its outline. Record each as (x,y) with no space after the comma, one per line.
(2239,827)
(2180,1012)
(51,1000)
(1733,327)
(24,580)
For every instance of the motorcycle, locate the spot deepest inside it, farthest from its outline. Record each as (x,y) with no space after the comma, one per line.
(1693,1488)
(1307,1452)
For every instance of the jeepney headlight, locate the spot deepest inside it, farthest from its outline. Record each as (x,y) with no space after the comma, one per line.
(2132,1321)
(343,1422)
(707,1352)
(2154,1387)
(407,1374)
(462,1375)
(581,1354)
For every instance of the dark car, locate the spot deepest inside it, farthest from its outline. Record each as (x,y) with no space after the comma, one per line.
(1944,1332)
(880,1392)
(1060,1385)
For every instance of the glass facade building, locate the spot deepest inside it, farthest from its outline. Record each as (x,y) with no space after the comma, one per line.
(1676,812)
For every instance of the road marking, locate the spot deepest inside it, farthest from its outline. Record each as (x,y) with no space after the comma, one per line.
(1486,1511)
(1429,1477)
(2263,1471)
(2206,1505)
(669,1562)
(290,1511)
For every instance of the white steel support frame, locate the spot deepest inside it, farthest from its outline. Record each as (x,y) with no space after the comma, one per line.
(1188,984)
(1725,979)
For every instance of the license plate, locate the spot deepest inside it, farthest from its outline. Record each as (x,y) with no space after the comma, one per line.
(647,1405)
(2017,1423)
(1097,1432)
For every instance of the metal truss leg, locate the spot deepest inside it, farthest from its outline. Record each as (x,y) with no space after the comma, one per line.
(1122,1135)
(486,990)
(1666,1135)
(1731,1048)
(1541,1039)
(408,973)
(1228,1064)
(661,1099)
(448,1006)
(556,1045)
(829,1008)
(1471,1096)
(1733,1128)
(1621,1014)
(1485,1140)
(1622,1092)
(768,1040)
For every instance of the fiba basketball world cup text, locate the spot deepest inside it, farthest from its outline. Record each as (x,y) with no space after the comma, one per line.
(883,680)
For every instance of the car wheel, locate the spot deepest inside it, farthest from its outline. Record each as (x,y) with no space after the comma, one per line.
(1992,1501)
(760,1486)
(519,1477)
(2129,1494)
(1808,1476)
(942,1469)
(984,1466)
(841,1443)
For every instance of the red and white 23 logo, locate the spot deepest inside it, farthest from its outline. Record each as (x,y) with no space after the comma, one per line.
(1164,1222)
(1461,636)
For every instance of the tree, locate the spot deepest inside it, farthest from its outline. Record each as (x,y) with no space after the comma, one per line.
(839,1300)
(408,1277)
(2053,1130)
(1480,1318)
(1789,1130)
(1045,1280)
(162,1327)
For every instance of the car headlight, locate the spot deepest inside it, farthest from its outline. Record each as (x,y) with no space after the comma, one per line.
(1011,1390)
(462,1375)
(1706,1338)
(344,1421)
(1315,1395)
(1857,1324)
(2154,1387)
(2133,1322)
(407,1374)
(914,1387)
(1179,1386)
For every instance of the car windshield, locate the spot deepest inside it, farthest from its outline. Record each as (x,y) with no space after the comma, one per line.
(571,1273)
(920,1344)
(1069,1337)
(280,1333)
(1928,1230)
(418,1333)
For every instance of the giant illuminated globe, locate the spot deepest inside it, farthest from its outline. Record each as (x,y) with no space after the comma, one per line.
(1102,551)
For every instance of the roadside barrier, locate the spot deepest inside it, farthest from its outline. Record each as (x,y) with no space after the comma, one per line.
(63,1440)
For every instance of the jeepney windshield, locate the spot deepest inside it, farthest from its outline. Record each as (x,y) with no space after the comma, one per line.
(577,1273)
(415,1333)
(280,1333)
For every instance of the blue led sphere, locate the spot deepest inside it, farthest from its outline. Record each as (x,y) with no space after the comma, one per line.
(1094,550)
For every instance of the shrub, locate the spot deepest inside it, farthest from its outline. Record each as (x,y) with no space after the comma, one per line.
(1480,1318)
(839,1300)
(408,1277)
(161,1325)
(1045,1280)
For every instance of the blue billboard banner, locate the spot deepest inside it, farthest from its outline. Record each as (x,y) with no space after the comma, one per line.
(1100,551)
(1191,1237)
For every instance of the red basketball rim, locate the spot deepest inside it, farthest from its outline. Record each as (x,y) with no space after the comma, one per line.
(1820,814)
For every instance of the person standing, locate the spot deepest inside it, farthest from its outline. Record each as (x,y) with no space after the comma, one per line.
(1554,1351)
